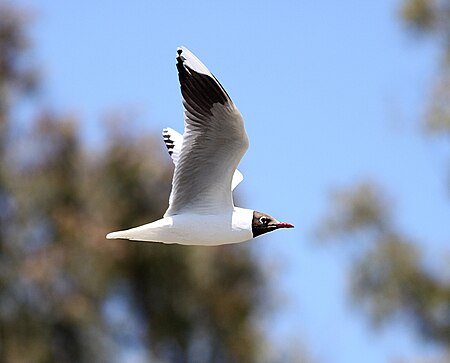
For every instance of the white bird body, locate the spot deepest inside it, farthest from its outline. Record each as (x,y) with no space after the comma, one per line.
(205,230)
(201,209)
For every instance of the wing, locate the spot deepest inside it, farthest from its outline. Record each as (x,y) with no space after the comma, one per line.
(214,142)
(174,140)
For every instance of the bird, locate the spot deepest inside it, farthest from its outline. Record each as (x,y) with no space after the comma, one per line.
(201,209)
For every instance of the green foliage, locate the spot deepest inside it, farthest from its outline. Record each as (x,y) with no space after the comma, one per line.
(356,209)
(419,13)
(389,277)
(433,18)
(69,295)
(390,280)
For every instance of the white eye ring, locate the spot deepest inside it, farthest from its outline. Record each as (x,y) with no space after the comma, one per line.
(264,220)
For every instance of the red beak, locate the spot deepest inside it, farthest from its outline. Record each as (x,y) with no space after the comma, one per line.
(284,225)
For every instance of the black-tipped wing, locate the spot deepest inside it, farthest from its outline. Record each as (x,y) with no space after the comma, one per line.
(173,141)
(214,142)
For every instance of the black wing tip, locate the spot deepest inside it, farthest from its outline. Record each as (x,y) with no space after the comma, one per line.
(180,57)
(167,134)
(200,90)
(181,67)
(168,141)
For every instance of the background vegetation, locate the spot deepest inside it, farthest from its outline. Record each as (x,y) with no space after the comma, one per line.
(68,295)
(391,278)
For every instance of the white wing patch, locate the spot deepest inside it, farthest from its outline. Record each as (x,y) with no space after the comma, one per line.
(174,141)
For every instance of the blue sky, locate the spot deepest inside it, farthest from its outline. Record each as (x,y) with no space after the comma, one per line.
(331,92)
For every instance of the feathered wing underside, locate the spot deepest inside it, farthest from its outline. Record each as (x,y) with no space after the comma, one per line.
(214,142)
(174,141)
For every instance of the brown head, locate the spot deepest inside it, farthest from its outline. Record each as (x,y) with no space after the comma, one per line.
(263,223)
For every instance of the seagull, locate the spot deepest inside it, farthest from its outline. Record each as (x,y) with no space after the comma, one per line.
(201,209)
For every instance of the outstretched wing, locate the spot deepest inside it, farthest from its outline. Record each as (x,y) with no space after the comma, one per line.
(214,142)
(174,140)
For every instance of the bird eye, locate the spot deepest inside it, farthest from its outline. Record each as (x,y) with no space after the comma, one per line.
(264,220)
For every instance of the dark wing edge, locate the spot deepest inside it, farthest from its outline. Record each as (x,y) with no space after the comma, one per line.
(199,88)
(214,141)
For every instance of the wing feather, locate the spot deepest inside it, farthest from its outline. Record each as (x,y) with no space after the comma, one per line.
(214,142)
(174,140)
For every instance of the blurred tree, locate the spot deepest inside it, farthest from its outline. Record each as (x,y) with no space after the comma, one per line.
(15,80)
(432,17)
(69,295)
(390,277)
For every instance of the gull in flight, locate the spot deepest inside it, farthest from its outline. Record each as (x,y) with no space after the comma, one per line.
(201,209)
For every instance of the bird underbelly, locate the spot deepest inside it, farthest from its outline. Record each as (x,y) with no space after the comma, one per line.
(212,237)
(191,230)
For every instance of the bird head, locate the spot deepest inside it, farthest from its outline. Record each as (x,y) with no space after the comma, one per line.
(263,223)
